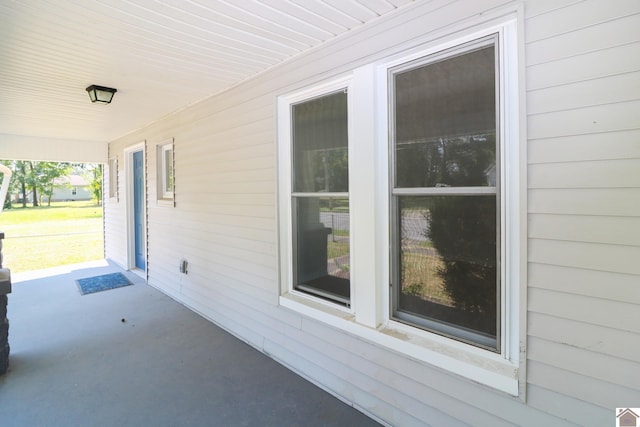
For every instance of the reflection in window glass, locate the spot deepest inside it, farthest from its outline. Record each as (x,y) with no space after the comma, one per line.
(322,247)
(461,161)
(321,223)
(448,261)
(445,194)
(165,170)
(445,122)
(168,171)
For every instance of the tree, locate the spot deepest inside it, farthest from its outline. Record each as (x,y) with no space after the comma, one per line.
(93,174)
(37,177)
(32,181)
(47,173)
(20,175)
(96,182)
(463,228)
(12,183)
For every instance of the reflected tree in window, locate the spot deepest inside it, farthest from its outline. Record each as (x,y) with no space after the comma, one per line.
(446,188)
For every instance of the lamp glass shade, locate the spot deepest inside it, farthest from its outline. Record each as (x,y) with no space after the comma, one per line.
(101,93)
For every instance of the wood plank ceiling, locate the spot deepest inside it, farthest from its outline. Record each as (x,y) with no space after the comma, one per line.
(161,55)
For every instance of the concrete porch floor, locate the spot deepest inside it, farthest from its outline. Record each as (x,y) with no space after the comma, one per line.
(75,363)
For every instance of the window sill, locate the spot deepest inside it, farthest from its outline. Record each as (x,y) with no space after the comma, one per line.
(460,359)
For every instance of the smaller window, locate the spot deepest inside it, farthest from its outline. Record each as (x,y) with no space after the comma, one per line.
(320,198)
(113,178)
(165,172)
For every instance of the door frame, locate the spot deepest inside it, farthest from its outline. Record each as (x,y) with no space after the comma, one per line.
(130,208)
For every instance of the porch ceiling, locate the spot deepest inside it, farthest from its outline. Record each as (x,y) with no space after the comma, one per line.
(161,55)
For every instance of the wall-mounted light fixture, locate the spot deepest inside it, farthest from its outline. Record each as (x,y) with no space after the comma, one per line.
(101,93)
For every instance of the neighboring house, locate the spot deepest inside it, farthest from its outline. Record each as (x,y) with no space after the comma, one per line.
(71,188)
(66,188)
(486,154)
(17,197)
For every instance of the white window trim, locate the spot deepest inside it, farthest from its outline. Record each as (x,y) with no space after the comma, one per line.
(285,187)
(163,197)
(369,316)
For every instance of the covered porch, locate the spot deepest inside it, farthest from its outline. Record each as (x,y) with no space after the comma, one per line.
(133,357)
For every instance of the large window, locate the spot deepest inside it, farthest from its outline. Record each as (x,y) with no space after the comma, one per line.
(320,202)
(402,208)
(445,186)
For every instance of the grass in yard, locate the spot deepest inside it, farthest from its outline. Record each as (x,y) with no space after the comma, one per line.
(42,237)
(420,276)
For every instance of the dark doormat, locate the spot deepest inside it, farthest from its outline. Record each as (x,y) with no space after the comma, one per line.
(102,283)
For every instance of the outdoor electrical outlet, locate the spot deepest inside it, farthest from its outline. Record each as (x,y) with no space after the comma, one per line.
(183,266)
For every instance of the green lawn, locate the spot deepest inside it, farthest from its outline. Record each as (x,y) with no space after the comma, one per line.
(421,277)
(42,237)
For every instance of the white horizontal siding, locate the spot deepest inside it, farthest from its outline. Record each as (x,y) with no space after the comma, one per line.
(619,173)
(409,400)
(584,209)
(597,284)
(609,146)
(114,212)
(588,229)
(580,412)
(336,384)
(586,93)
(586,201)
(587,335)
(593,65)
(605,394)
(310,347)
(580,15)
(583,198)
(588,38)
(590,364)
(597,119)
(224,232)
(542,7)
(590,256)
(611,314)
(435,380)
